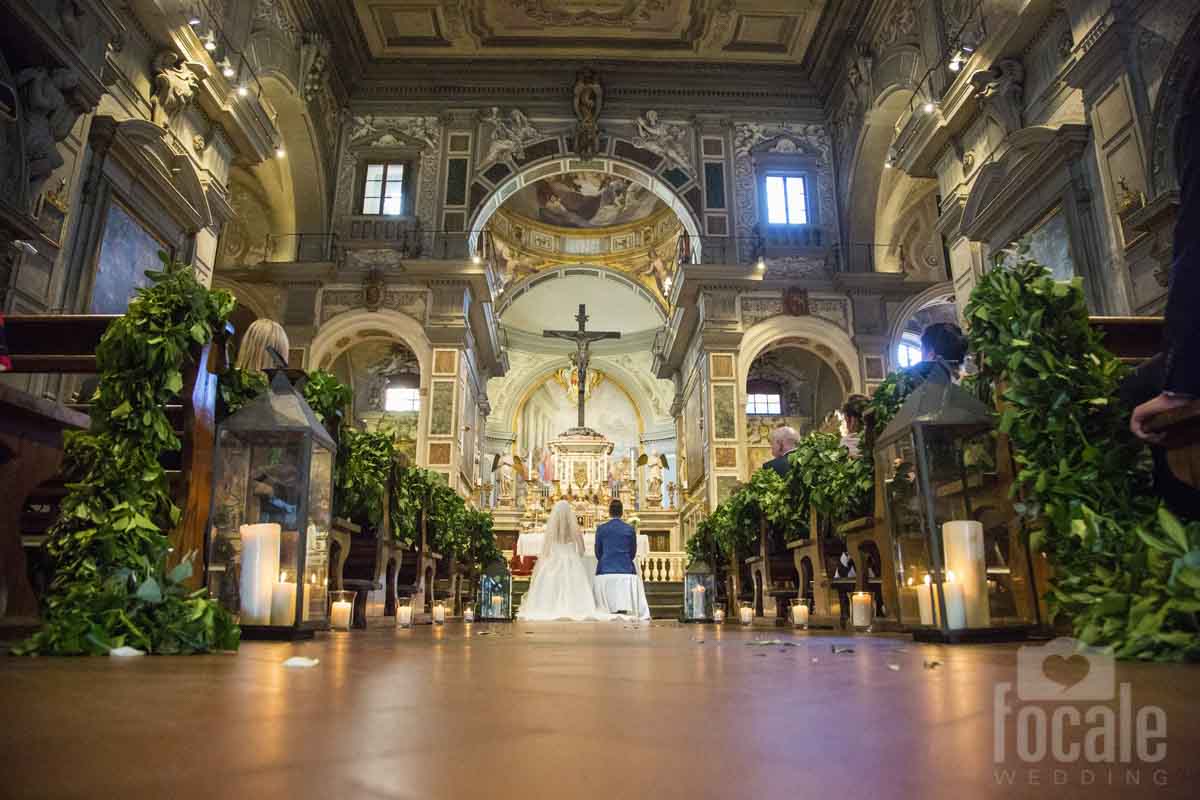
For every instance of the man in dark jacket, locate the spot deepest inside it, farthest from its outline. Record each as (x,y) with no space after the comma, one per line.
(783,442)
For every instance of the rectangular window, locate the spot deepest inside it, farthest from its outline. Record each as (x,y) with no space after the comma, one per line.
(402,398)
(383,190)
(764,404)
(787,200)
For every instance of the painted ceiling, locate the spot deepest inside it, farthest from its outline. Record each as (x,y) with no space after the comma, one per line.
(772,31)
(584,200)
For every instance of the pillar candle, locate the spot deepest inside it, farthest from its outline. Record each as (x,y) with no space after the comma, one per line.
(862,607)
(925,601)
(404,616)
(746,614)
(339,617)
(439,614)
(963,541)
(497,605)
(719,615)
(260,569)
(956,610)
(800,615)
(283,602)
(698,602)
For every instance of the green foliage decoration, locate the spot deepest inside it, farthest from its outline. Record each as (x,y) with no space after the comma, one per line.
(1127,573)
(826,479)
(236,387)
(361,472)
(327,397)
(109,546)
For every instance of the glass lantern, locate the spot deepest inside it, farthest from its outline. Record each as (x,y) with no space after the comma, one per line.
(937,458)
(268,537)
(699,593)
(495,594)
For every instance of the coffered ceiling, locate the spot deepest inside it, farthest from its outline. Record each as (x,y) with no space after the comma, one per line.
(745,31)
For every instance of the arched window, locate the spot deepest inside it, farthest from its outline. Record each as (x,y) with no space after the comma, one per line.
(764,398)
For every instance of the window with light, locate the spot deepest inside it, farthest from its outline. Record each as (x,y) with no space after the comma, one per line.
(908,352)
(787,200)
(402,398)
(764,404)
(383,191)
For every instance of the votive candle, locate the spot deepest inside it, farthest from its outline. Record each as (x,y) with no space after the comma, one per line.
(862,609)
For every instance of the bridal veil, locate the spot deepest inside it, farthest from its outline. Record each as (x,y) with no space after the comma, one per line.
(561,528)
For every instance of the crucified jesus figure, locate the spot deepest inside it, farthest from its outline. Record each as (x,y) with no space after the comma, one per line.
(583,339)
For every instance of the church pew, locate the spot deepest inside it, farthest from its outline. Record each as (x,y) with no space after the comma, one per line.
(65,344)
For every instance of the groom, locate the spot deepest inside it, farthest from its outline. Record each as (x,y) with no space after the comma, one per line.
(618,587)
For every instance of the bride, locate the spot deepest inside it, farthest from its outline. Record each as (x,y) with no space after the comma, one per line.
(562,581)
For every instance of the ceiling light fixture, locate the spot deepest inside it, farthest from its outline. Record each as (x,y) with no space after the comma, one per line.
(928,107)
(242,90)
(280,152)
(226,68)
(194,18)
(761,264)
(210,41)
(955,63)
(475,259)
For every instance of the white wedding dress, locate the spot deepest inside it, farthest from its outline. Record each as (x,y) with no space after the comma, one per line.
(561,587)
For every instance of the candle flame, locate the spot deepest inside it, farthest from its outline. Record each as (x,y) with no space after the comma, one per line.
(949,576)
(910,580)
(282,577)
(928,579)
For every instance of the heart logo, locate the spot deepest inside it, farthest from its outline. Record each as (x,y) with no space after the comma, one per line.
(1066,672)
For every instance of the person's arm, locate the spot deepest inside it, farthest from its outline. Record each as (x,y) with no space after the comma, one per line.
(599,545)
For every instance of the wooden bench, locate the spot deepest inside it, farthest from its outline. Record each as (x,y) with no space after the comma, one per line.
(66,345)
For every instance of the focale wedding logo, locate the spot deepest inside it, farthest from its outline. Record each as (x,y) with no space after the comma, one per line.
(1069,723)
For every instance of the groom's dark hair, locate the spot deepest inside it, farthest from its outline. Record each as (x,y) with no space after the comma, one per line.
(615,508)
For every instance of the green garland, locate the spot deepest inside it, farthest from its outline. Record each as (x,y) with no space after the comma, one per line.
(111,587)
(1127,572)
(826,479)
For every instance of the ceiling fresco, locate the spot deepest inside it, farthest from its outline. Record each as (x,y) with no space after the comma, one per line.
(585,200)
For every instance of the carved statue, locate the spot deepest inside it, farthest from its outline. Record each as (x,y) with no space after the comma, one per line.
(656,267)
(1001,90)
(51,108)
(589,99)
(508,137)
(314,57)
(654,483)
(362,127)
(508,483)
(668,141)
(175,83)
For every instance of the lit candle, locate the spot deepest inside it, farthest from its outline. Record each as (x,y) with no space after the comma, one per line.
(862,608)
(404,616)
(283,602)
(746,614)
(925,601)
(497,605)
(339,617)
(956,609)
(439,614)
(469,614)
(698,602)
(719,616)
(260,567)
(963,540)
(800,614)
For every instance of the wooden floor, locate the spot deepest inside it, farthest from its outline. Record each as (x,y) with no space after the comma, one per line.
(555,711)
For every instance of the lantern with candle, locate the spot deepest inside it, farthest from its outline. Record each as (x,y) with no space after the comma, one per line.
(271,514)
(937,458)
(699,592)
(494,603)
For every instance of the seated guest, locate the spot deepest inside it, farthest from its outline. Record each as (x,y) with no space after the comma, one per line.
(852,411)
(264,340)
(783,441)
(942,343)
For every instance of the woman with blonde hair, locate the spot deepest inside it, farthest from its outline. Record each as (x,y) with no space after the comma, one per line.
(561,587)
(263,339)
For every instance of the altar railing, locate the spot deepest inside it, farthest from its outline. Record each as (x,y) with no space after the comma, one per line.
(659,567)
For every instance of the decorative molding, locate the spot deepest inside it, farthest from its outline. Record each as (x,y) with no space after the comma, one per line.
(1001,92)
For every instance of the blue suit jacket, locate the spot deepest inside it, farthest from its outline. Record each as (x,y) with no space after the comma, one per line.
(616,546)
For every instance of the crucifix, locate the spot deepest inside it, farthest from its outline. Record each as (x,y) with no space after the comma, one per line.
(583,340)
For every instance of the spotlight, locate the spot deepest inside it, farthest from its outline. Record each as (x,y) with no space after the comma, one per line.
(927,108)
(888,163)
(227,69)
(242,90)
(280,152)
(210,41)
(955,64)
(761,264)
(476,260)
(194,17)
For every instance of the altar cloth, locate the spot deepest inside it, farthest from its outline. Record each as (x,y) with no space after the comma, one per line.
(530,544)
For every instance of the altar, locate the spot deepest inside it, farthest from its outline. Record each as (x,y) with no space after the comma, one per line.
(529,544)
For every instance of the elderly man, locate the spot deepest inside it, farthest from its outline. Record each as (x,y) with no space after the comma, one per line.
(783,442)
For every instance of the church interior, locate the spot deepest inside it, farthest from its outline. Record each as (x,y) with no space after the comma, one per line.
(868,323)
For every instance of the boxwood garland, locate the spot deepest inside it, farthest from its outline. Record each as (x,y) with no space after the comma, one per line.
(109,545)
(1127,572)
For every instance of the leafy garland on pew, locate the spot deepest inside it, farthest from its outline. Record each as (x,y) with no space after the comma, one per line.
(1127,572)
(325,394)
(111,587)
(454,529)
